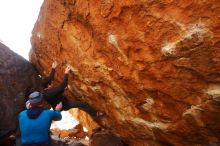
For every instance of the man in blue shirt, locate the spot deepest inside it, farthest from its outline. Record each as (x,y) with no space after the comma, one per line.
(35,122)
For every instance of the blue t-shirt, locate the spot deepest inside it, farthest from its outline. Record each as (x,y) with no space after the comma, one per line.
(37,130)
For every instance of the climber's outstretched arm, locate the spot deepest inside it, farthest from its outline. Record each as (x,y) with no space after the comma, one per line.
(47,80)
(50,93)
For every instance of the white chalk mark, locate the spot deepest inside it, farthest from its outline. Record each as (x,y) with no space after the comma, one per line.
(192,110)
(195,112)
(112,39)
(104,67)
(199,29)
(214,91)
(149,102)
(159,125)
(168,48)
(74,70)
(95,88)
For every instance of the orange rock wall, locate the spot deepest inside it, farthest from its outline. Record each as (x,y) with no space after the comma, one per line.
(152,66)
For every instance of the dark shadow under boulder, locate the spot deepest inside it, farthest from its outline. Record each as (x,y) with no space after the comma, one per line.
(102,137)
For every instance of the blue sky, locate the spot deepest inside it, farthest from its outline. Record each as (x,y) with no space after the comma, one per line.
(17,21)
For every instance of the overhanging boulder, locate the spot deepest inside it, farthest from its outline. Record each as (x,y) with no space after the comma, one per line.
(152,66)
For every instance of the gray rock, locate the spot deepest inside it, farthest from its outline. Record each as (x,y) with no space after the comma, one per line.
(17,79)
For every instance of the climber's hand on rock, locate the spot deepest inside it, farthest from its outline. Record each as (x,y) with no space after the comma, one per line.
(67,70)
(54,65)
(59,106)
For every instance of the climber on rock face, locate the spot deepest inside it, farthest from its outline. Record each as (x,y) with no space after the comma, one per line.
(46,82)
(35,122)
(54,95)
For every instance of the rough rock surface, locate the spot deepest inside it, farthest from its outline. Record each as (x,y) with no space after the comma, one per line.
(56,142)
(85,119)
(105,138)
(73,133)
(17,78)
(152,66)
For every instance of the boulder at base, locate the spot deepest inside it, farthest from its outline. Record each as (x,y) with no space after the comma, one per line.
(17,79)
